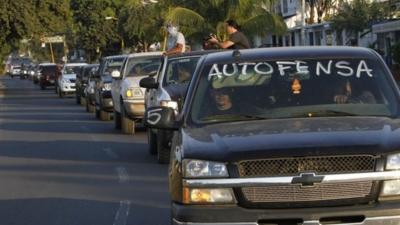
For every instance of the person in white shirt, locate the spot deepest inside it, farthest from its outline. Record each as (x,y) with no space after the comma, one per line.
(176,41)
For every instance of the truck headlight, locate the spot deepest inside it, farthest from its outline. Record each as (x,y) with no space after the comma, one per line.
(204,196)
(390,188)
(170,104)
(393,162)
(134,92)
(200,168)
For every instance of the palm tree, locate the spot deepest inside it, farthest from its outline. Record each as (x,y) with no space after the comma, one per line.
(254,15)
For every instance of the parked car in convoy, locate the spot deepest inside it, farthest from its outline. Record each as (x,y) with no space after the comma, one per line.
(47,74)
(66,81)
(127,95)
(90,92)
(24,71)
(286,136)
(14,64)
(82,78)
(31,70)
(102,88)
(168,89)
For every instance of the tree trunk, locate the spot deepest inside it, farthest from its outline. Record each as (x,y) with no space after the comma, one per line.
(312,11)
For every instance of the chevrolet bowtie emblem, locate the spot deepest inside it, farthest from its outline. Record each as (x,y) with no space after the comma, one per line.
(307,179)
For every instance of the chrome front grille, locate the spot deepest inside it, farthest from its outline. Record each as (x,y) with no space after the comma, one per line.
(318,165)
(297,193)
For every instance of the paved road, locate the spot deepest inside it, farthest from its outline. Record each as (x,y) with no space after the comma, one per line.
(61,166)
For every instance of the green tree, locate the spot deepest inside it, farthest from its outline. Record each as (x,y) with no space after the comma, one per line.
(31,19)
(96,35)
(359,15)
(254,16)
(140,24)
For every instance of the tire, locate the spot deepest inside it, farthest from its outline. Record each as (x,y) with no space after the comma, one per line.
(163,151)
(104,116)
(117,120)
(91,108)
(42,87)
(97,112)
(83,101)
(78,100)
(127,125)
(152,141)
(61,94)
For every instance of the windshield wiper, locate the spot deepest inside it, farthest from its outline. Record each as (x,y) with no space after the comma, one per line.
(234,117)
(322,113)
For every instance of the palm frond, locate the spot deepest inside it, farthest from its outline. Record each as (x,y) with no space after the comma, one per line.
(263,24)
(189,20)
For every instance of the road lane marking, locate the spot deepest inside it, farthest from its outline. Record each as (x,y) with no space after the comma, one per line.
(123,176)
(121,218)
(110,153)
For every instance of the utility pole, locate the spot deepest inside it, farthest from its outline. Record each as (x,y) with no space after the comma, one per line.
(303,23)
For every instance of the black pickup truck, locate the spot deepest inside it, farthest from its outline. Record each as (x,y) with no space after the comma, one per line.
(286,136)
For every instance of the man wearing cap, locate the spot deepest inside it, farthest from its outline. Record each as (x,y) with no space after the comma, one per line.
(237,40)
(176,40)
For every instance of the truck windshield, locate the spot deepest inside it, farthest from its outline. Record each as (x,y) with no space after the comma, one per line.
(180,70)
(291,89)
(114,64)
(143,66)
(71,69)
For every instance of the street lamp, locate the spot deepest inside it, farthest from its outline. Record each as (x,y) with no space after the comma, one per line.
(122,39)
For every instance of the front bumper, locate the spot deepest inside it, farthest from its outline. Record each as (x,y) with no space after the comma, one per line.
(377,214)
(47,82)
(134,108)
(107,104)
(67,87)
(91,98)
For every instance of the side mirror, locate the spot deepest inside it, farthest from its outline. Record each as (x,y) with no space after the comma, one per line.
(116,74)
(160,118)
(149,83)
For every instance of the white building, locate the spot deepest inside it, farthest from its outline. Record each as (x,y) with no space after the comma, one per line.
(315,34)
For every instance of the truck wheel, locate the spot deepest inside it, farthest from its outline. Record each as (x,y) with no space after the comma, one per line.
(61,94)
(91,108)
(117,120)
(87,105)
(127,125)
(163,151)
(97,112)
(152,140)
(104,116)
(83,101)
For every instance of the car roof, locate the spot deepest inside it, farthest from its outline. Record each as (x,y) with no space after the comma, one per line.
(47,64)
(144,54)
(75,64)
(193,53)
(115,56)
(309,52)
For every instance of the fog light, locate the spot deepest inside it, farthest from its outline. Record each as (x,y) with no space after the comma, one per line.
(203,196)
(390,188)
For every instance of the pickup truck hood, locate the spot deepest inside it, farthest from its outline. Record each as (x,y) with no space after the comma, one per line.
(292,137)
